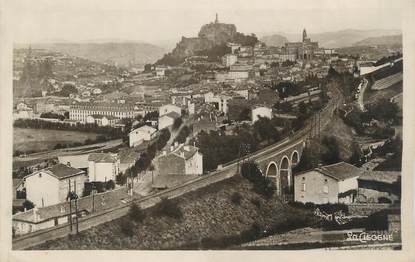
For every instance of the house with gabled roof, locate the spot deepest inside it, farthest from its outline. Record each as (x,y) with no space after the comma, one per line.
(51,185)
(103,167)
(181,160)
(335,183)
(167,120)
(141,134)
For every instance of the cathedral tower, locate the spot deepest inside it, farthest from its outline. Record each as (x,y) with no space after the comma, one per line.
(304,35)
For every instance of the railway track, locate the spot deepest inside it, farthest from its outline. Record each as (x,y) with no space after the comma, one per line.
(228,170)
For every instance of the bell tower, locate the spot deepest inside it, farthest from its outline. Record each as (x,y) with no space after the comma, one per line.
(304,35)
(216,19)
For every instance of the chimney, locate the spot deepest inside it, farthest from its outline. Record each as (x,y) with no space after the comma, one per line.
(182,154)
(176,144)
(171,148)
(68,163)
(164,152)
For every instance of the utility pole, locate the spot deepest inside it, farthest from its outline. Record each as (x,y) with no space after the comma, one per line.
(70,204)
(76,209)
(93,198)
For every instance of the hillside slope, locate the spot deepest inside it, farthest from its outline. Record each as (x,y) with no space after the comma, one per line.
(208,214)
(122,54)
(381,40)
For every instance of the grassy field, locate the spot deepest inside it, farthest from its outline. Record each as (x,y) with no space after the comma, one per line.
(27,139)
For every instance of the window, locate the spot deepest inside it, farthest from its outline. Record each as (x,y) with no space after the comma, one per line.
(326,189)
(303,187)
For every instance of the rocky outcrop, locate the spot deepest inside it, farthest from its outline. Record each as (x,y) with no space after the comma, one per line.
(210,35)
(218,33)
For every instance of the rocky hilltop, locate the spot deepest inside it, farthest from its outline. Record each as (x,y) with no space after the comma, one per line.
(218,33)
(211,35)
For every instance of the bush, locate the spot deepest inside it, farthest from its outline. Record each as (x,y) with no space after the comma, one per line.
(297,204)
(261,184)
(265,187)
(28,205)
(121,179)
(236,198)
(110,185)
(135,213)
(127,227)
(331,208)
(310,205)
(384,200)
(252,233)
(256,202)
(177,123)
(168,208)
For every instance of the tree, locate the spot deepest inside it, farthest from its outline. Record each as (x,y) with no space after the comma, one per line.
(168,208)
(331,153)
(127,227)
(264,128)
(121,179)
(27,205)
(147,68)
(110,185)
(177,123)
(68,89)
(262,185)
(136,213)
(309,160)
(383,110)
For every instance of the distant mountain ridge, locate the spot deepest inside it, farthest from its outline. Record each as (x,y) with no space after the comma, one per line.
(120,53)
(381,40)
(337,39)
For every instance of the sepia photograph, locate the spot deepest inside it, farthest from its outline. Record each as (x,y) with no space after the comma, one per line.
(207,125)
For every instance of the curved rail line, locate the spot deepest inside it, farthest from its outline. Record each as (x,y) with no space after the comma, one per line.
(228,170)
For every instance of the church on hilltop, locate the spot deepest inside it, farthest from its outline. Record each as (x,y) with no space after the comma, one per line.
(302,50)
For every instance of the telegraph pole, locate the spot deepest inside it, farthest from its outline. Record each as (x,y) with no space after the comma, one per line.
(93,198)
(76,208)
(70,205)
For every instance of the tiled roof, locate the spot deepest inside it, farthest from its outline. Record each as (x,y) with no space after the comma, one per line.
(61,171)
(145,128)
(76,161)
(186,151)
(340,171)
(173,115)
(103,157)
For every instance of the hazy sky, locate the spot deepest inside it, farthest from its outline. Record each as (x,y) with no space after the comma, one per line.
(155,20)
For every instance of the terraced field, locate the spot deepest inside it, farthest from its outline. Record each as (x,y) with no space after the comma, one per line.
(28,139)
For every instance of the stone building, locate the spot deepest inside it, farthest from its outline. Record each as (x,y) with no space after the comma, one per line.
(336,183)
(51,185)
(103,167)
(303,50)
(183,160)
